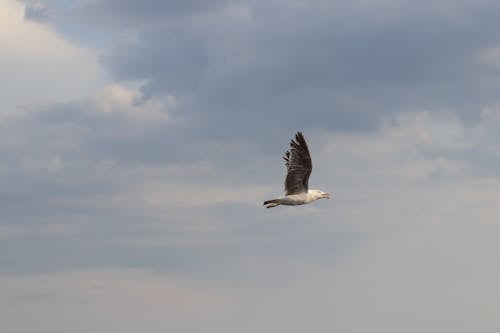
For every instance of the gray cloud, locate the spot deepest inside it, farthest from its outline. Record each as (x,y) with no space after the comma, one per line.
(129,14)
(37,11)
(80,186)
(397,101)
(242,66)
(244,76)
(316,65)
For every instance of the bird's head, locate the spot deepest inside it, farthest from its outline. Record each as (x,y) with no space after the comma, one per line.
(322,195)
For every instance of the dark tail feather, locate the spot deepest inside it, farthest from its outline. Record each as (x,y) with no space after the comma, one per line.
(271,203)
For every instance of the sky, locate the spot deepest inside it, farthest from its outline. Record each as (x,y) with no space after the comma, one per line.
(139,139)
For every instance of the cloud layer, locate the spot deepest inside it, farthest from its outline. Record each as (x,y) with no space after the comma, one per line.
(334,65)
(140,139)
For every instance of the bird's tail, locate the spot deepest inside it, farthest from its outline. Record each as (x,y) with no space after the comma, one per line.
(271,203)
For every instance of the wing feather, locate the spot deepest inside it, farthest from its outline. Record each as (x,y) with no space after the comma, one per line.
(299,166)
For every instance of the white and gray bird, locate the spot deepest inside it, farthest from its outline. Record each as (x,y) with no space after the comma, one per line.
(299,166)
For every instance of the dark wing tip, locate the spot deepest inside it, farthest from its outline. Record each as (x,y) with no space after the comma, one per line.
(299,142)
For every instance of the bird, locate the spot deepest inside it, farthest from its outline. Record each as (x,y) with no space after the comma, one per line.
(299,166)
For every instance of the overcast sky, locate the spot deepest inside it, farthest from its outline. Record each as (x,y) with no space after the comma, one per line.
(138,140)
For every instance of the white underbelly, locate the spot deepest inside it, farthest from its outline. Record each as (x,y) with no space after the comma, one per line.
(295,199)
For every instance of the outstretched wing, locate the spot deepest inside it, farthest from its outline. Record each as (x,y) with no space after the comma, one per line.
(299,166)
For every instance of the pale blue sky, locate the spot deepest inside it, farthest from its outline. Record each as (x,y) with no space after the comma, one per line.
(140,138)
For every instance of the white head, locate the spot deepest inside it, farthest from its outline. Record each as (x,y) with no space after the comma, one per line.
(318,194)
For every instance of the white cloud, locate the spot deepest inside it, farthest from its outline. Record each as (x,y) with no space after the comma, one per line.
(127,100)
(39,66)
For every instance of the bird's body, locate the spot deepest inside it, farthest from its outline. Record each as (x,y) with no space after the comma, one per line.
(299,167)
(296,199)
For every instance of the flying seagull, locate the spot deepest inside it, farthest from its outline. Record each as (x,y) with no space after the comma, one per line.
(298,164)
